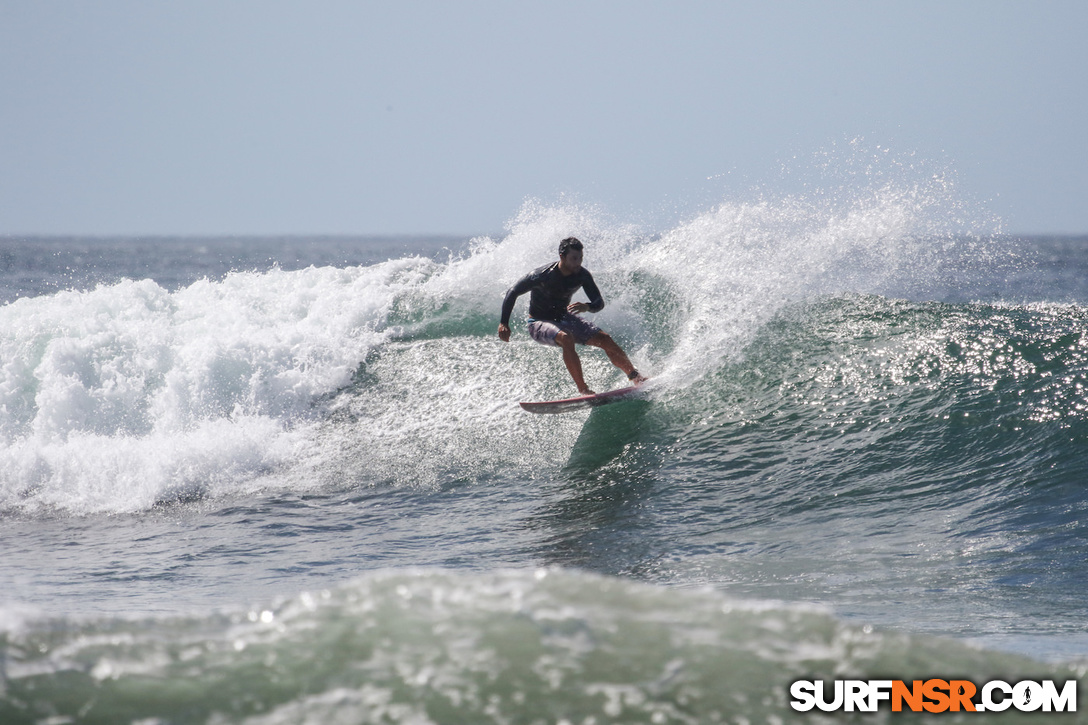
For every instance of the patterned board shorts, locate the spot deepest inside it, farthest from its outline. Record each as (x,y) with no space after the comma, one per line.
(544,331)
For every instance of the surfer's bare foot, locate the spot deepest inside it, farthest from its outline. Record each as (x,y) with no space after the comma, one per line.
(586,391)
(639,379)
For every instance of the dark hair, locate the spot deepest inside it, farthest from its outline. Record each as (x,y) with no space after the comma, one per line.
(568,244)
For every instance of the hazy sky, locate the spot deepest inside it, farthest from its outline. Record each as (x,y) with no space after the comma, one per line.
(239,116)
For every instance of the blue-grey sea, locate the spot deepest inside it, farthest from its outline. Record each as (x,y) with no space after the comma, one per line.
(287,480)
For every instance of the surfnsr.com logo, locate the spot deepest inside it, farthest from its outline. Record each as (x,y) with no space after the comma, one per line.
(933,695)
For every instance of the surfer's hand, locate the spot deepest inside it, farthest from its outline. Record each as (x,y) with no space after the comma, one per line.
(504,333)
(576,307)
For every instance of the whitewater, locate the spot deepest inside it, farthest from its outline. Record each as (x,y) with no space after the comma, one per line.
(286,480)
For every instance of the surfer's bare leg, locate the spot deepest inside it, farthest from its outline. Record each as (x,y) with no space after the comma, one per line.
(572,361)
(616,354)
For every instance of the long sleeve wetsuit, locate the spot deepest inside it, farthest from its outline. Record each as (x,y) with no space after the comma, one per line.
(551,291)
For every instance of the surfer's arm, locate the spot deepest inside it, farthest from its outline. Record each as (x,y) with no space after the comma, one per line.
(596,301)
(524,285)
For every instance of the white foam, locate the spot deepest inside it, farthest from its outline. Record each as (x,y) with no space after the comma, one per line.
(114,398)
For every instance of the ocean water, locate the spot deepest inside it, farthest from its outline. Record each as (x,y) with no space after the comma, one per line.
(287,480)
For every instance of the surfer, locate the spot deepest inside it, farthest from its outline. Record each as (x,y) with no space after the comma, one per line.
(553,318)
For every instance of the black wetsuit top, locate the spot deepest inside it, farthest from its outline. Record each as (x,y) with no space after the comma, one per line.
(551,293)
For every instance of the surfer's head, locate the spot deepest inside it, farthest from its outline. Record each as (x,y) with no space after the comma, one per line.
(570,255)
(568,244)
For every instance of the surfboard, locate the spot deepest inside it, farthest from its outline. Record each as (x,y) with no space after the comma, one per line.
(583,401)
